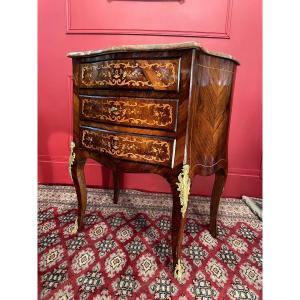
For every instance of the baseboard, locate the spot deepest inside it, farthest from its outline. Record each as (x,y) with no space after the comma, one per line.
(239,181)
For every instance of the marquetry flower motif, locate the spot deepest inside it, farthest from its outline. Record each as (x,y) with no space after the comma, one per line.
(128,74)
(51,257)
(124,233)
(127,146)
(146,266)
(128,111)
(83,260)
(237,244)
(98,231)
(252,275)
(115,263)
(217,273)
(208,240)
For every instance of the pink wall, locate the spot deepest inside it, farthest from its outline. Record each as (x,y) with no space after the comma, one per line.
(229,26)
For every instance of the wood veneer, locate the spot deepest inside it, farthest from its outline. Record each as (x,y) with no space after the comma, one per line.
(163,109)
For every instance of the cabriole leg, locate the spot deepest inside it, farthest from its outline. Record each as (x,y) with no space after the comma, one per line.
(219,183)
(76,167)
(180,187)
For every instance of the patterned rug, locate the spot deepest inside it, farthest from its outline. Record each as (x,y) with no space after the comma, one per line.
(124,251)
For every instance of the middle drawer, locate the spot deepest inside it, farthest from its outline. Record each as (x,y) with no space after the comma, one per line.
(136,112)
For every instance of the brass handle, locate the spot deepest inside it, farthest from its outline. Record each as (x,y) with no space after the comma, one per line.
(71,158)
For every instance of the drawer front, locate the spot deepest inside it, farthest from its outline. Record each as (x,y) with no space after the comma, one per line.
(133,147)
(148,113)
(158,74)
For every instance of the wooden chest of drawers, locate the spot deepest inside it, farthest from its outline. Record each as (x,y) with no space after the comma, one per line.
(163,109)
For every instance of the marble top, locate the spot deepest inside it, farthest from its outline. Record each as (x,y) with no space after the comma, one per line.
(149,47)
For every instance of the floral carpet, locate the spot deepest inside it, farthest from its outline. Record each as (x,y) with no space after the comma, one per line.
(124,251)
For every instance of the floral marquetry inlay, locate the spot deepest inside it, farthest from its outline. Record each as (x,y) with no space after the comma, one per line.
(129,147)
(137,74)
(146,113)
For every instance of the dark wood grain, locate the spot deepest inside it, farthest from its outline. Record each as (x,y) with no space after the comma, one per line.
(134,147)
(130,111)
(219,183)
(154,112)
(147,74)
(80,187)
(210,114)
(178,220)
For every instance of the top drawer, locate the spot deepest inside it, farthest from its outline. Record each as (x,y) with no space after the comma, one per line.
(154,74)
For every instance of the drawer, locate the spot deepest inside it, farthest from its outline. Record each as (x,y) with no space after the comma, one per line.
(128,146)
(154,74)
(138,112)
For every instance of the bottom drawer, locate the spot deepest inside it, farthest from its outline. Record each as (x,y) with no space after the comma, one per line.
(128,146)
